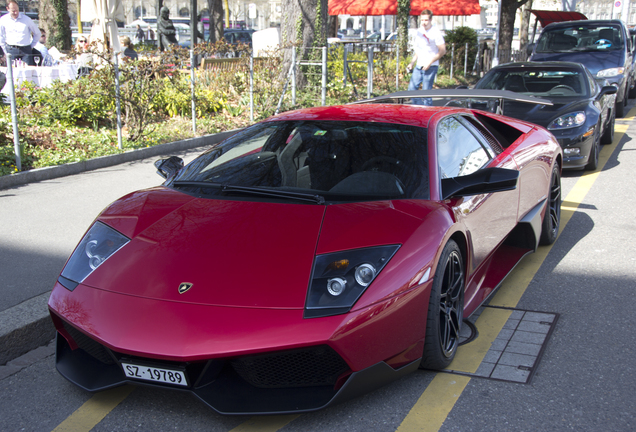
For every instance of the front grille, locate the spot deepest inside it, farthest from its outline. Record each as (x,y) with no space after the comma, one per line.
(316,366)
(87,344)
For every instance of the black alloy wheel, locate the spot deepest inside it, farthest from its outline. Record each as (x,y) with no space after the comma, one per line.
(552,217)
(445,310)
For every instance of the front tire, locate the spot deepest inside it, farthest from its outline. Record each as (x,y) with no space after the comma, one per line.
(592,160)
(445,310)
(552,217)
(608,135)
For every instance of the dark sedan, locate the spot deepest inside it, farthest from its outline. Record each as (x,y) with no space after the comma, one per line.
(582,113)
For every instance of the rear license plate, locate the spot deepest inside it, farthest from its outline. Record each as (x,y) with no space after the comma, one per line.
(154,374)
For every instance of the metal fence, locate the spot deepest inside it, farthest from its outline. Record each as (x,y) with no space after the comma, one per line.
(363,64)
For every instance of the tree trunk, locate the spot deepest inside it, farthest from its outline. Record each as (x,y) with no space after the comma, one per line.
(404,9)
(304,25)
(215,7)
(524,29)
(55,21)
(506,27)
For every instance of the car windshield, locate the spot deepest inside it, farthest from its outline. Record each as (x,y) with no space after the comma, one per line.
(334,160)
(548,83)
(581,38)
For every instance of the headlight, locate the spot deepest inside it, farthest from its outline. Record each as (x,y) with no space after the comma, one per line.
(99,243)
(568,121)
(340,278)
(610,72)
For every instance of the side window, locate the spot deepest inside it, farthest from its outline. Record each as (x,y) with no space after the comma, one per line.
(458,151)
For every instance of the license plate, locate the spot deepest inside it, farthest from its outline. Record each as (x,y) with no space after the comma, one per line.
(154,374)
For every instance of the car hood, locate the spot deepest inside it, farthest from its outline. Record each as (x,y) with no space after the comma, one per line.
(543,114)
(234,253)
(595,61)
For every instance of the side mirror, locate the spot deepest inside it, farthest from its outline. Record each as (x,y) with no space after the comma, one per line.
(607,90)
(486,180)
(169,167)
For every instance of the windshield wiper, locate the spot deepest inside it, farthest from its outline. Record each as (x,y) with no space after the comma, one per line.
(225,188)
(318,199)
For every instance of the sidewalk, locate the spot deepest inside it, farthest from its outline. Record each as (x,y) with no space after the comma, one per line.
(42,220)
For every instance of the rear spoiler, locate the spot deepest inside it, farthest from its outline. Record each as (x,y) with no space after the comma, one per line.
(465,94)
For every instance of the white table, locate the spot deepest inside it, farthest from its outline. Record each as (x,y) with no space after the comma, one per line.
(42,76)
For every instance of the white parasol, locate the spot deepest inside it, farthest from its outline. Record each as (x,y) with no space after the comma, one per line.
(103,13)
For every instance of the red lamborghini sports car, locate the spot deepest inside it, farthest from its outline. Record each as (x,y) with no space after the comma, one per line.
(309,258)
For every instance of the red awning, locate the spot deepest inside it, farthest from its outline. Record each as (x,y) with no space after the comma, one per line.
(389,7)
(546,17)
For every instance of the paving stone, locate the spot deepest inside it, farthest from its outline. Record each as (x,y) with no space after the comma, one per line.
(499,345)
(523,348)
(485,369)
(492,356)
(510,373)
(511,324)
(528,337)
(511,359)
(517,314)
(505,334)
(538,316)
(532,326)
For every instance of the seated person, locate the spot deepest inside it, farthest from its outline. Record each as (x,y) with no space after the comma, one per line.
(128,52)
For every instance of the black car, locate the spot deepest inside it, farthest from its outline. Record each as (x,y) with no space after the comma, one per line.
(582,112)
(603,46)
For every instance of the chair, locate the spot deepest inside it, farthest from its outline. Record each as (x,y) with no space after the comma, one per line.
(515,83)
(607,34)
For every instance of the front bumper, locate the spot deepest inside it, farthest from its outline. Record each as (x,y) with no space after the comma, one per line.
(238,360)
(572,140)
(276,383)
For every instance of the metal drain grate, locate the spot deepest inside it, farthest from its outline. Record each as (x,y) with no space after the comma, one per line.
(515,354)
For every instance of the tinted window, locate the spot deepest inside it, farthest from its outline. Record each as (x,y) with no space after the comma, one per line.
(458,151)
(539,82)
(338,160)
(581,38)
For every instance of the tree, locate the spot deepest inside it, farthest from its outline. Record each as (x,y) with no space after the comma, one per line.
(305,26)
(215,8)
(55,21)
(506,26)
(403,12)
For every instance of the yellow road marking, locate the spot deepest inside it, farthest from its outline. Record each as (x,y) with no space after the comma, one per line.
(265,423)
(94,410)
(433,403)
(430,411)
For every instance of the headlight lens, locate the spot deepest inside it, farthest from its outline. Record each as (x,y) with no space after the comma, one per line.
(568,121)
(610,72)
(99,243)
(340,278)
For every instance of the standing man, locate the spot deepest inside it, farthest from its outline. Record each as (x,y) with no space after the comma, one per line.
(428,48)
(18,34)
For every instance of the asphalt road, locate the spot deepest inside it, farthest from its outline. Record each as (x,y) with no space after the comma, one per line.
(584,382)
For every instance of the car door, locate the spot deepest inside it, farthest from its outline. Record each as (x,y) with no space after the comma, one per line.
(488,218)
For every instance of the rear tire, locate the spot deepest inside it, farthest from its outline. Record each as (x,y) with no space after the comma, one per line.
(552,217)
(445,310)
